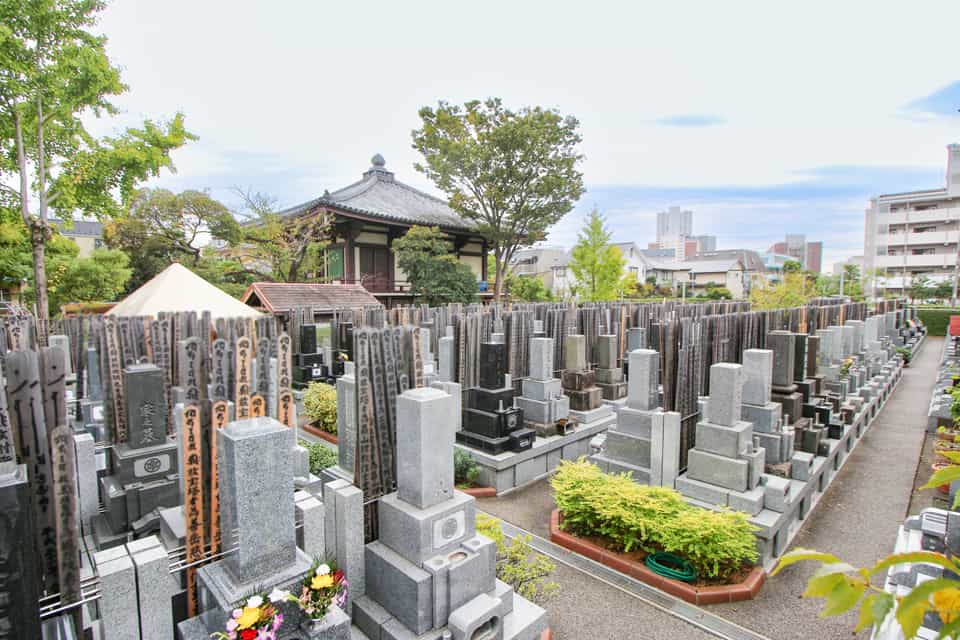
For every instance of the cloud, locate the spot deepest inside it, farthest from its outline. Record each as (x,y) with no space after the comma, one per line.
(692,120)
(944,102)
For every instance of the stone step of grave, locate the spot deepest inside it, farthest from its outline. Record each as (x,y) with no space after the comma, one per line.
(586,399)
(724,441)
(751,502)
(640,474)
(729,473)
(616,391)
(628,448)
(773,444)
(766,418)
(544,411)
(608,376)
(637,422)
(578,380)
(490,399)
(419,534)
(541,389)
(703,491)
(590,416)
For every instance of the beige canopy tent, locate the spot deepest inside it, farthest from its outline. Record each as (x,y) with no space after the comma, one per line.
(176,288)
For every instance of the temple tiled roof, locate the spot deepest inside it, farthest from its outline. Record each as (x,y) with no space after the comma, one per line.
(380,195)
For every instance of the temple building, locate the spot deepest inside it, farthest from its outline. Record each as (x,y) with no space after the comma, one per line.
(369,215)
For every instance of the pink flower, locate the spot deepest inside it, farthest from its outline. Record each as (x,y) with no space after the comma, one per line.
(231,624)
(237,613)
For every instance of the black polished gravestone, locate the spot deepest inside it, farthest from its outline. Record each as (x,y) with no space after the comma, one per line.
(19,585)
(144,477)
(311,365)
(490,421)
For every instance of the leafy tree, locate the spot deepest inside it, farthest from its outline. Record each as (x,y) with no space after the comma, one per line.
(53,72)
(513,174)
(597,265)
(100,278)
(434,275)
(793,290)
(943,291)
(920,287)
(714,291)
(285,244)
(529,289)
(161,227)
(792,266)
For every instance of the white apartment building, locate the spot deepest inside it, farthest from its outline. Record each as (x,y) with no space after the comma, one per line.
(914,233)
(674,228)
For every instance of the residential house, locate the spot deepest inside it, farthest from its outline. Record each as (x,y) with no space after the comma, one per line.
(87,234)
(727,272)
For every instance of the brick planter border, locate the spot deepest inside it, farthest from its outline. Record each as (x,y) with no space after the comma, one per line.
(480,492)
(746,590)
(320,433)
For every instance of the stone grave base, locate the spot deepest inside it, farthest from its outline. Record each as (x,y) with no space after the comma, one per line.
(520,618)
(508,471)
(777,528)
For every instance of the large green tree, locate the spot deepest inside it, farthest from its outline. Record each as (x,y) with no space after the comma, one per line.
(434,275)
(597,265)
(160,227)
(101,277)
(53,72)
(513,174)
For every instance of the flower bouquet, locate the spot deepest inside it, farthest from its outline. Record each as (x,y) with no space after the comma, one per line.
(324,585)
(257,619)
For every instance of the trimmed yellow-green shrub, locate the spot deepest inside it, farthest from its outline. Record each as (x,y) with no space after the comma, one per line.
(518,564)
(634,516)
(320,405)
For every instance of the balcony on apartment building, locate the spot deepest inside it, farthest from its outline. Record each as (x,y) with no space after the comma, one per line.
(914,216)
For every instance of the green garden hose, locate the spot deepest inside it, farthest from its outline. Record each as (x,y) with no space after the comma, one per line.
(671,566)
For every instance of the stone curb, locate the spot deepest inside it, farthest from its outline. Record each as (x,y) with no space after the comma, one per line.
(746,590)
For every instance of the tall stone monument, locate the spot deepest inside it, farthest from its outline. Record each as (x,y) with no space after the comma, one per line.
(545,408)
(429,571)
(645,440)
(579,383)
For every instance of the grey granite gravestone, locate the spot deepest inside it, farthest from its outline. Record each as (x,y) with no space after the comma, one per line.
(256,518)
(146,406)
(644,379)
(92,375)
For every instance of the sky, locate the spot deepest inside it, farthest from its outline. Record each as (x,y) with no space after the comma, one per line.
(764,118)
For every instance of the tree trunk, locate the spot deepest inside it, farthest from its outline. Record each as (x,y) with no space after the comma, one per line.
(498,274)
(38,239)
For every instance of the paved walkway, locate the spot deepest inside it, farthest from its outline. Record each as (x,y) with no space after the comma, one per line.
(856,520)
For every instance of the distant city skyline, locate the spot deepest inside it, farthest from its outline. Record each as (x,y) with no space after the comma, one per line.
(290,109)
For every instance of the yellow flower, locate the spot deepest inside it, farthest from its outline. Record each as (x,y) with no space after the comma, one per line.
(248,618)
(321,582)
(947,604)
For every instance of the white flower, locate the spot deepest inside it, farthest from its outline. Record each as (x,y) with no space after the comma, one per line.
(278,595)
(255,602)
(323,570)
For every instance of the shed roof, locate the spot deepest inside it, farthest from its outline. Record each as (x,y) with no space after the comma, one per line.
(380,195)
(282,296)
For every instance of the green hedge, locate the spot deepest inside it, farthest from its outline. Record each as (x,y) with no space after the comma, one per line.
(653,519)
(936,319)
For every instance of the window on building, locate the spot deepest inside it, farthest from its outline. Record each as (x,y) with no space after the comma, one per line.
(330,264)
(922,252)
(924,229)
(926,207)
